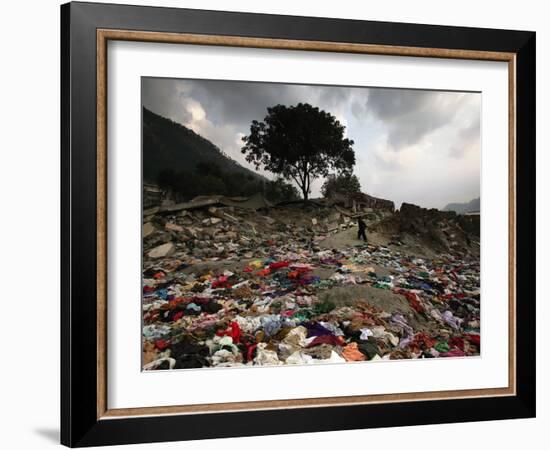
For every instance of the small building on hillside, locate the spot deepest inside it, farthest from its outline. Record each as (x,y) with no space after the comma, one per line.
(360,201)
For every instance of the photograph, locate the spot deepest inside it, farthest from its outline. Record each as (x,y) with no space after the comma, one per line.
(283,222)
(290,224)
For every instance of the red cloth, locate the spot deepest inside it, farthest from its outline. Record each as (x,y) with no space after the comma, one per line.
(412,298)
(234,331)
(250,351)
(457,342)
(423,340)
(326,339)
(473,338)
(278,265)
(221,282)
(453,352)
(298,272)
(264,272)
(161,344)
(177,316)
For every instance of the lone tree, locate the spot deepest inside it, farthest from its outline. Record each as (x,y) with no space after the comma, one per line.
(300,143)
(343,183)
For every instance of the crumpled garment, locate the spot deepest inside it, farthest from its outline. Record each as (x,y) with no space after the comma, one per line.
(296,337)
(329,339)
(234,331)
(149,353)
(316,329)
(455,352)
(365,334)
(304,358)
(436,314)
(271,325)
(219,343)
(379,332)
(423,341)
(161,363)
(457,342)
(193,307)
(225,358)
(323,351)
(248,324)
(256,264)
(189,354)
(345,279)
(413,299)
(284,350)
(299,358)
(351,353)
(406,341)
(333,328)
(221,282)
(442,347)
(155,331)
(453,321)
(266,357)
(369,349)
(243,291)
(399,320)
(278,265)
(161,344)
(473,338)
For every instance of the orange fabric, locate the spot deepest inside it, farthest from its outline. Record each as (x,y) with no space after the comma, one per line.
(352,353)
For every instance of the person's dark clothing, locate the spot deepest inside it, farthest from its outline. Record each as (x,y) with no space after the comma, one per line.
(361,232)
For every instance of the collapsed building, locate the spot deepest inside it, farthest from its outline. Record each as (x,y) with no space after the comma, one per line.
(359,202)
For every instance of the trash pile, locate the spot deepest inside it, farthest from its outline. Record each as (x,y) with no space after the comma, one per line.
(226,287)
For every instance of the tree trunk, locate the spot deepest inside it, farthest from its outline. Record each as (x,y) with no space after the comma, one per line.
(305,192)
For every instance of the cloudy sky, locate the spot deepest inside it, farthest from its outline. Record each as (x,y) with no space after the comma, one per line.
(420,147)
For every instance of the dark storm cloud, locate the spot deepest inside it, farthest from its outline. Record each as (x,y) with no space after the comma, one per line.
(411,115)
(398,134)
(230,102)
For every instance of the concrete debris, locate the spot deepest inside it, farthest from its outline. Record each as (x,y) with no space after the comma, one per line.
(162,250)
(148,228)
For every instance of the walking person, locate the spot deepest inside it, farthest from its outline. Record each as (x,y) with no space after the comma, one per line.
(362,227)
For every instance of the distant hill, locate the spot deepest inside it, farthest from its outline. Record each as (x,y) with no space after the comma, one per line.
(169,145)
(461,208)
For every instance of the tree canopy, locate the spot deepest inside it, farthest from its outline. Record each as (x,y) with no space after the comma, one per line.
(344,183)
(300,143)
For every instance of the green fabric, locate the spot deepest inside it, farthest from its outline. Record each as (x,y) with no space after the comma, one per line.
(442,347)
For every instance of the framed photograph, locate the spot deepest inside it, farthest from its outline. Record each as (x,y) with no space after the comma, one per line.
(276,224)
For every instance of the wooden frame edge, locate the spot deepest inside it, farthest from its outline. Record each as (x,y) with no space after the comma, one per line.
(103,36)
(101,191)
(290,44)
(512,269)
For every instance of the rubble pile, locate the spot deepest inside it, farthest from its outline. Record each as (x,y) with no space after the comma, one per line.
(227,286)
(433,230)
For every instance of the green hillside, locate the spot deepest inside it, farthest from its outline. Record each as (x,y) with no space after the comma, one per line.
(169,145)
(184,162)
